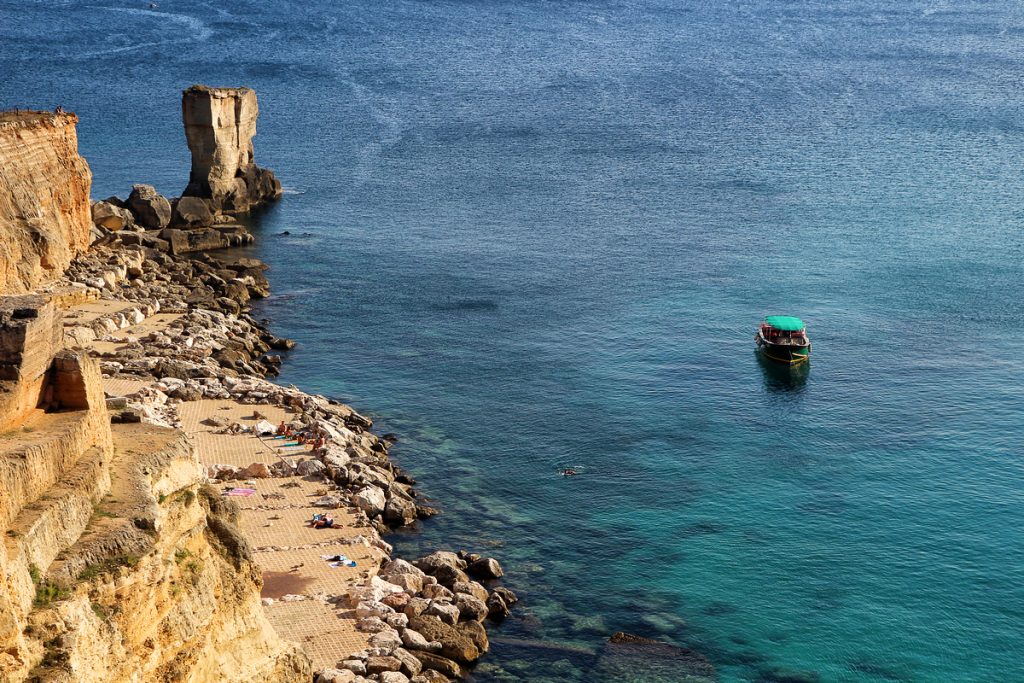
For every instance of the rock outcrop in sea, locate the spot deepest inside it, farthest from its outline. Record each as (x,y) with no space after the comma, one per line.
(220,124)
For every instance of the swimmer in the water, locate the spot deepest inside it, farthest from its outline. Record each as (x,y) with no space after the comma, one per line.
(568,472)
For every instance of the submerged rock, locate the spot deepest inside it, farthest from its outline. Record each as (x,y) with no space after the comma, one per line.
(625,655)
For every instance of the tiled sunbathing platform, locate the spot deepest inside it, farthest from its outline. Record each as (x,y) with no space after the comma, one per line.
(123,387)
(90,311)
(275,521)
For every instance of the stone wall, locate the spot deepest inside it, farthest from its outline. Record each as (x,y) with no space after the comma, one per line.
(220,124)
(44,198)
(30,335)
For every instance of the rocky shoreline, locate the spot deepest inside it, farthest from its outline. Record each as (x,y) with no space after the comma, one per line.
(153,310)
(425,618)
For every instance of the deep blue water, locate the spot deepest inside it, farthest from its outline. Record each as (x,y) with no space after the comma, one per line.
(527,235)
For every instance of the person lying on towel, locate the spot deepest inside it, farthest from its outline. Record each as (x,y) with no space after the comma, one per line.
(322,522)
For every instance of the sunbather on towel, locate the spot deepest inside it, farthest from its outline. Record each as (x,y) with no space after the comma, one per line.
(322,522)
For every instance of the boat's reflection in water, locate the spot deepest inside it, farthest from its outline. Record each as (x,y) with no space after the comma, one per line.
(779,377)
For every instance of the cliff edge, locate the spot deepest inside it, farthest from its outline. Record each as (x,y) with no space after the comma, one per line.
(117,564)
(44,198)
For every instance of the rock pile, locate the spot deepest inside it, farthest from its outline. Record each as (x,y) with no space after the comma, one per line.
(225,180)
(426,620)
(177,226)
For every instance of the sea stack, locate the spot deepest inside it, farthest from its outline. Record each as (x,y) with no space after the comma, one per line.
(219,125)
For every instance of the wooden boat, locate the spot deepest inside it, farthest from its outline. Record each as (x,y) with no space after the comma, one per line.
(783,339)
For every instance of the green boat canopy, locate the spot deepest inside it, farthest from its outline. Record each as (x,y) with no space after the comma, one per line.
(786,323)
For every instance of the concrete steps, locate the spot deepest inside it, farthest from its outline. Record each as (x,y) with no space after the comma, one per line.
(55,521)
(152,467)
(38,455)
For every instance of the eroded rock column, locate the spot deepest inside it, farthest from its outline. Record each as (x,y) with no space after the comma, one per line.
(219,125)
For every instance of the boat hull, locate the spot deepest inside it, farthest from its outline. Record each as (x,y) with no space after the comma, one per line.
(787,354)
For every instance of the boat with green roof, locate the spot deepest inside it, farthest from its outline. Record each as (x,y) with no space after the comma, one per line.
(783,338)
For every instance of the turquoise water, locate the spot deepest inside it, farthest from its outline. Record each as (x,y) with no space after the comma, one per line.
(529,235)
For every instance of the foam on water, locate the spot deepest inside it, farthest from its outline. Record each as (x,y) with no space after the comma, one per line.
(195,30)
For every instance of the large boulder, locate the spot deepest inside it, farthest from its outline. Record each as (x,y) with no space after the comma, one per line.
(111,217)
(335,676)
(445,566)
(414,640)
(461,643)
(410,665)
(371,500)
(476,633)
(443,665)
(356,666)
(485,568)
(387,639)
(150,208)
(380,663)
(470,608)
(446,612)
(309,468)
(192,212)
(257,470)
(506,594)
(499,603)
(472,588)
(197,239)
(399,511)
(397,567)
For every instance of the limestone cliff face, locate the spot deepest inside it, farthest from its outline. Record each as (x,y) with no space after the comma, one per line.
(44,198)
(116,564)
(220,124)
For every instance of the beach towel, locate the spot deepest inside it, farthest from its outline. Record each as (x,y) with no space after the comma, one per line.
(339,561)
(240,492)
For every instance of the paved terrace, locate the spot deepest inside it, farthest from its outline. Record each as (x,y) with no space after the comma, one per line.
(275,522)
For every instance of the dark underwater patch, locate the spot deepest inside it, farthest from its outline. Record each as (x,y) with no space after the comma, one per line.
(702,529)
(866,666)
(717,609)
(466,305)
(783,675)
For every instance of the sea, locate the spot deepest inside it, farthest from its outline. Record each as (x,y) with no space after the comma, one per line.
(530,235)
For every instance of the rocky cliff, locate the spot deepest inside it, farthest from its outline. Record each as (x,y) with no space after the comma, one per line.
(116,564)
(219,125)
(44,198)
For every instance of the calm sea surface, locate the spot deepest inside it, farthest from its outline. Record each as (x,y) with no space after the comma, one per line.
(531,235)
